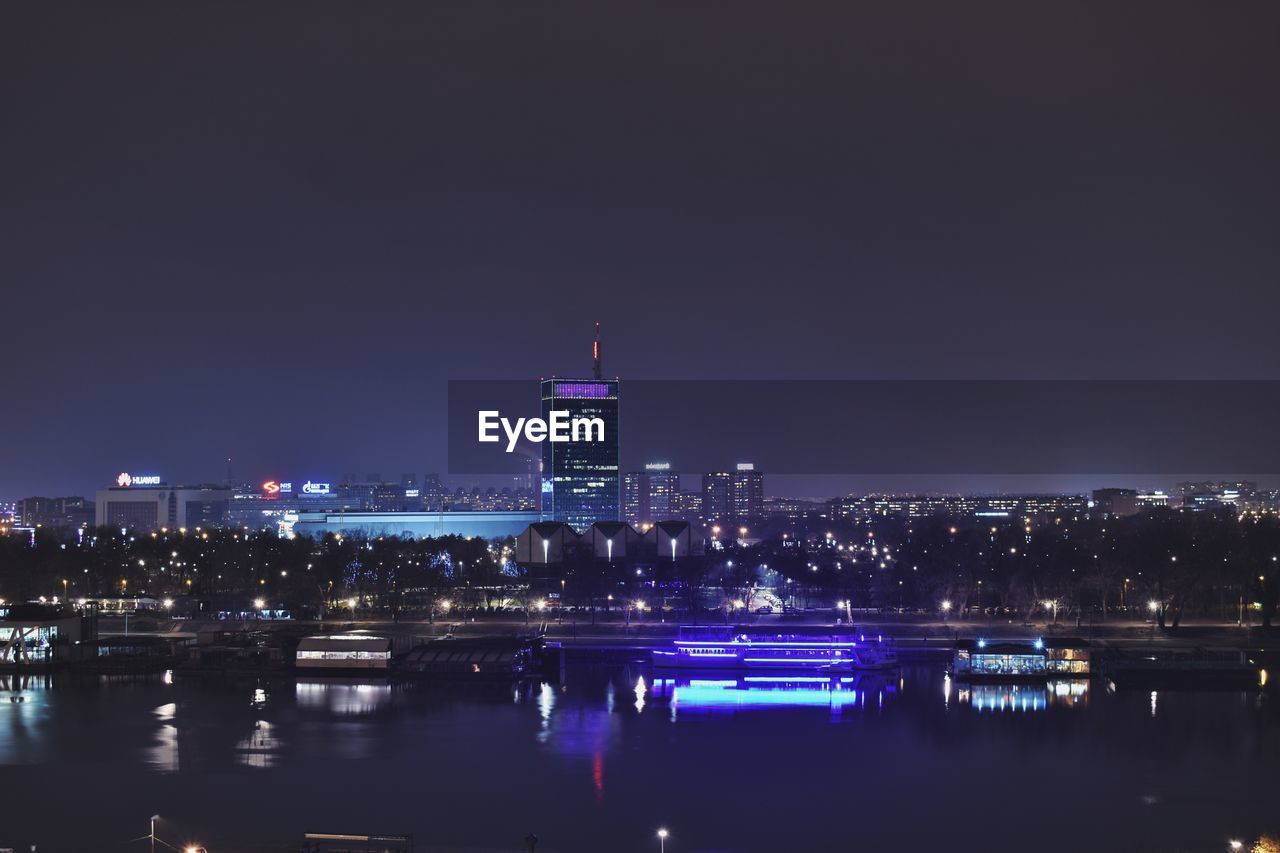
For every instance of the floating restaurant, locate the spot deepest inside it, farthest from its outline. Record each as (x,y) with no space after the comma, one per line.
(1022,659)
(353,651)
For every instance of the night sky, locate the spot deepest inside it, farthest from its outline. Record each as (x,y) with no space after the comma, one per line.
(274,231)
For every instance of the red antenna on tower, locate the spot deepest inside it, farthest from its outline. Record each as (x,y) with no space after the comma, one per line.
(595,351)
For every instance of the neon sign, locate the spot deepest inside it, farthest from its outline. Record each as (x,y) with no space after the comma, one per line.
(310,488)
(125,480)
(274,487)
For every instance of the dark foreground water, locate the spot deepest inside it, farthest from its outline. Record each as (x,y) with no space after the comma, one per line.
(599,763)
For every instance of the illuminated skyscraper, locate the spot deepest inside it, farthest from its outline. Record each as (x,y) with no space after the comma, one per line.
(580,483)
(733,497)
(651,495)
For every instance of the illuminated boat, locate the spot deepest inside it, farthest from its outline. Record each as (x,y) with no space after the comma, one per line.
(729,647)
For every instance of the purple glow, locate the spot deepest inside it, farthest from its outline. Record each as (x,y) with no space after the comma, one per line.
(792,661)
(583,390)
(747,644)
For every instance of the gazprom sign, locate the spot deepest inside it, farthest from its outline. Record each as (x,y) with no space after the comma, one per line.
(310,488)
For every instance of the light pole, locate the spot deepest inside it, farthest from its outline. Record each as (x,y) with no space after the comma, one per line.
(152,835)
(662,840)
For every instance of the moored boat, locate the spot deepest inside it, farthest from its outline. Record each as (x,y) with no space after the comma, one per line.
(730,647)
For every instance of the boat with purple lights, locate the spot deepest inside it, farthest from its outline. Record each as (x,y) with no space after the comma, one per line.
(733,647)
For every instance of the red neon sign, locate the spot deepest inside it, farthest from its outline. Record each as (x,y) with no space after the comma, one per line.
(271,487)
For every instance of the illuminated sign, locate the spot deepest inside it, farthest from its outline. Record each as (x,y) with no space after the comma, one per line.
(746,466)
(657,466)
(125,480)
(411,493)
(274,487)
(310,488)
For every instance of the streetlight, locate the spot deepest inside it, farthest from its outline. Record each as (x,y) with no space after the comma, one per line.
(1052,604)
(152,836)
(662,840)
(1235,845)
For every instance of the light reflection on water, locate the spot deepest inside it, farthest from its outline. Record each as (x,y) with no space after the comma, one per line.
(718,694)
(606,734)
(341,698)
(1065,693)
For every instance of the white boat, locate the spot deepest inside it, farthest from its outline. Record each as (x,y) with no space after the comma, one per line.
(729,647)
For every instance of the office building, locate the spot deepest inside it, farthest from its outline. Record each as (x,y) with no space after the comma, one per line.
(733,497)
(54,512)
(145,503)
(1115,503)
(580,482)
(651,495)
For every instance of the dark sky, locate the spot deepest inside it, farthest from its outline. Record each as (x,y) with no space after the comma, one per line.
(273,231)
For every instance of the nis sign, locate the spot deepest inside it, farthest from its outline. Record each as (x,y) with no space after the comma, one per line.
(125,480)
(275,487)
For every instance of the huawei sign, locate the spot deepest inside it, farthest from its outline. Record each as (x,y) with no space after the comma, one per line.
(125,480)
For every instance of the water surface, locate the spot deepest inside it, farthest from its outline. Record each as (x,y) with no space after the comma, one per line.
(600,762)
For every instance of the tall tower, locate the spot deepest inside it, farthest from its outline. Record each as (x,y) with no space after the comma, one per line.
(580,482)
(597,354)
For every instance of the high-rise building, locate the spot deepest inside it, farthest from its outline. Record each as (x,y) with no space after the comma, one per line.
(748,493)
(651,495)
(733,497)
(580,483)
(717,498)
